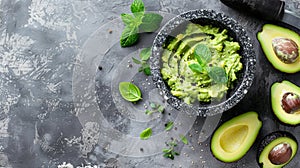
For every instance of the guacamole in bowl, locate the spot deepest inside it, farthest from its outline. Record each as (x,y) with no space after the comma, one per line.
(203,62)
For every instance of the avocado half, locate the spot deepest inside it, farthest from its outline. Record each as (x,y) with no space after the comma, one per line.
(231,141)
(277,149)
(266,38)
(285,100)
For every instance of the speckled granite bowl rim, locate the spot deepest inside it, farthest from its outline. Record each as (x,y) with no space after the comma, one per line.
(248,54)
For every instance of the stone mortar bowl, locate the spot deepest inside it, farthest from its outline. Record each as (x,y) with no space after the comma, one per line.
(235,30)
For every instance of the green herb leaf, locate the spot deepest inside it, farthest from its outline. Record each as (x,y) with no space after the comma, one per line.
(217,74)
(136,60)
(161,109)
(129,91)
(127,19)
(146,134)
(146,69)
(148,112)
(145,54)
(169,126)
(202,54)
(137,6)
(153,105)
(151,22)
(196,68)
(165,150)
(183,139)
(129,36)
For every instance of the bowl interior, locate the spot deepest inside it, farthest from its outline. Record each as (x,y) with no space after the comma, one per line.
(206,17)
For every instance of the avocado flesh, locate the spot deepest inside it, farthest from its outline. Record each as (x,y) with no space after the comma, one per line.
(277,92)
(265,37)
(272,140)
(231,141)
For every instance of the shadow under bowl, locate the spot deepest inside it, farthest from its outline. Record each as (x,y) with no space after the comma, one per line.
(237,32)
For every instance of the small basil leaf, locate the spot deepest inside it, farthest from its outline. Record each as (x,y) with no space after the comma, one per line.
(137,6)
(169,126)
(129,91)
(129,36)
(217,74)
(151,22)
(145,54)
(196,68)
(202,54)
(183,139)
(127,19)
(146,134)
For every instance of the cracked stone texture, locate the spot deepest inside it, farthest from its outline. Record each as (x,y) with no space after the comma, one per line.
(57,105)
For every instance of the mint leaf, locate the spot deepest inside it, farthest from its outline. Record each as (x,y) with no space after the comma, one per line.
(151,22)
(145,54)
(196,68)
(202,54)
(129,36)
(153,105)
(161,109)
(146,69)
(137,6)
(183,139)
(148,112)
(136,60)
(146,134)
(217,74)
(127,19)
(169,126)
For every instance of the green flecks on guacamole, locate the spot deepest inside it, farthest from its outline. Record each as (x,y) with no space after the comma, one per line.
(194,85)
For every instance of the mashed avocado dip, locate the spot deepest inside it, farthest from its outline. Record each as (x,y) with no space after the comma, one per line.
(200,83)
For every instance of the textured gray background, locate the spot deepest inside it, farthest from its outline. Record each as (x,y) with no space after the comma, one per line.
(42,126)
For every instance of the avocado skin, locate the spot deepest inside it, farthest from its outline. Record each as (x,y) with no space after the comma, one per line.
(271,137)
(278,89)
(265,37)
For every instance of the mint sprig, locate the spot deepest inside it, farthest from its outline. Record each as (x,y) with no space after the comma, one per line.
(203,56)
(144,57)
(138,21)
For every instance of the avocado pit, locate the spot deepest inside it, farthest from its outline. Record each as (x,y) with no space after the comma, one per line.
(285,49)
(280,154)
(290,103)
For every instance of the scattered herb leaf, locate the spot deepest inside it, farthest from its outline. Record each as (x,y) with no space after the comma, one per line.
(136,61)
(137,6)
(129,36)
(148,112)
(146,134)
(183,139)
(170,152)
(153,105)
(151,22)
(145,54)
(127,19)
(146,69)
(129,91)
(138,22)
(169,126)
(161,109)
